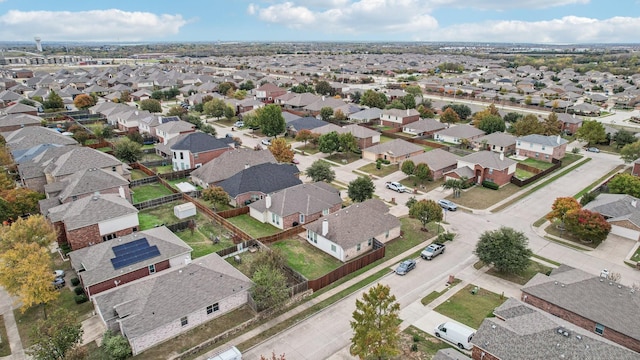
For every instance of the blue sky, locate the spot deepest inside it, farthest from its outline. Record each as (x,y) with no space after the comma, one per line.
(533,21)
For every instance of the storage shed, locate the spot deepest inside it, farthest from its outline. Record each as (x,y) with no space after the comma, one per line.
(183,211)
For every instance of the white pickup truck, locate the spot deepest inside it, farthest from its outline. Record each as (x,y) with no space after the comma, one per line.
(396,186)
(432,251)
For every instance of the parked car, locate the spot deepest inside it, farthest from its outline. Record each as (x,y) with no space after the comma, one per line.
(266,142)
(406,266)
(396,186)
(447,205)
(58,273)
(432,251)
(58,283)
(239,124)
(295,161)
(593,149)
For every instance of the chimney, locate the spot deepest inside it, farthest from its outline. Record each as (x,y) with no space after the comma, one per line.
(325,227)
(501,156)
(634,203)
(408,112)
(121,192)
(558,139)
(246,166)
(96,195)
(267,201)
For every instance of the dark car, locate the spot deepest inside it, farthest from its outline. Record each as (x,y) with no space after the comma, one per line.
(58,283)
(406,266)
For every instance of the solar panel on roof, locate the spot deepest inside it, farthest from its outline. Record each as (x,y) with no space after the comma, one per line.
(133,252)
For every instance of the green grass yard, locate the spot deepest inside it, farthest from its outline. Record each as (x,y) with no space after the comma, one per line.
(253,227)
(304,258)
(470,309)
(163,214)
(382,172)
(149,191)
(542,165)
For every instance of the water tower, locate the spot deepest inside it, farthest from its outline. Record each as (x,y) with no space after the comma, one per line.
(38,43)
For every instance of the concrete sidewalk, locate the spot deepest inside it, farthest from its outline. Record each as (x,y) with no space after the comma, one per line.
(6,310)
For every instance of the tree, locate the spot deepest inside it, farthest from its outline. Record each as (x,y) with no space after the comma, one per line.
(409,101)
(449,116)
(115,346)
(19,201)
(408,167)
(375,324)
(324,88)
(561,207)
(463,111)
(229,112)
(269,287)
(422,172)
(361,189)
(81,136)
(329,143)
(527,125)
(588,226)
(304,135)
(321,171)
(347,142)
(54,101)
(326,113)
(151,105)
(281,150)
(414,90)
(127,150)
(630,152)
(339,115)
(625,183)
(271,120)
(624,137)
(83,101)
(505,248)
(34,229)
(247,85)
(373,98)
(53,338)
(491,123)
(125,96)
(456,185)
(552,125)
(592,132)
(426,211)
(215,194)
(214,108)
(225,87)
(396,104)
(512,117)
(25,272)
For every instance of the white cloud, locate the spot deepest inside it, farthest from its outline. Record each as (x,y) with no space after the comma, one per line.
(94,25)
(499,5)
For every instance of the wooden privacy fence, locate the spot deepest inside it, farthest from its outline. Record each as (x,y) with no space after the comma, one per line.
(270,239)
(233,212)
(348,268)
(147,180)
(158,201)
(239,234)
(541,173)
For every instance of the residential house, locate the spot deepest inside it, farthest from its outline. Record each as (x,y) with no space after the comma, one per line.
(253,183)
(363,135)
(128,258)
(306,123)
(520,331)
(458,133)
(15,122)
(398,118)
(424,127)
(635,170)
(168,130)
(570,122)
(324,102)
(192,150)
(487,166)
(621,211)
(540,147)
(394,151)
(32,136)
(296,205)
(268,92)
(595,303)
(345,236)
(498,142)
(228,164)
(20,108)
(299,101)
(93,219)
(184,297)
(366,115)
(439,161)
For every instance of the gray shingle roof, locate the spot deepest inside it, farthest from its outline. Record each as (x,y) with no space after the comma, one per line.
(551,140)
(498,138)
(489,159)
(347,228)
(366,115)
(424,125)
(265,178)
(613,305)
(436,159)
(464,131)
(91,210)
(397,147)
(198,142)
(522,332)
(96,259)
(616,207)
(89,181)
(306,123)
(81,158)
(31,136)
(301,199)
(167,296)
(231,163)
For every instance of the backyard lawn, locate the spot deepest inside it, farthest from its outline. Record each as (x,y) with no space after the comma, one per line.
(412,236)
(478,197)
(384,139)
(201,240)
(253,227)
(542,165)
(523,174)
(163,214)
(149,191)
(382,172)
(306,259)
(470,309)
(163,169)
(138,174)
(181,180)
(150,157)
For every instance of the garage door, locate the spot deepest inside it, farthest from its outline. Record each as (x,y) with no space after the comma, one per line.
(624,232)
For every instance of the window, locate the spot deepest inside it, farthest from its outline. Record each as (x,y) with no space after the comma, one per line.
(275,219)
(113,168)
(333,248)
(369,242)
(490,171)
(358,247)
(519,143)
(212,308)
(311,236)
(152,269)
(537,154)
(74,198)
(543,148)
(599,329)
(325,212)
(181,156)
(195,156)
(184,321)
(108,237)
(175,155)
(386,235)
(546,156)
(301,219)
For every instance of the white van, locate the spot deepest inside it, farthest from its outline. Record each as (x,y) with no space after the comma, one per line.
(456,333)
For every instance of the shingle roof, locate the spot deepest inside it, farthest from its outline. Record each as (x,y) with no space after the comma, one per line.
(347,228)
(613,305)
(306,123)
(91,210)
(96,259)
(522,332)
(489,159)
(397,147)
(230,163)
(265,178)
(167,296)
(551,140)
(81,158)
(436,159)
(366,114)
(300,199)
(198,142)
(464,131)
(498,138)
(19,119)
(424,125)
(616,207)
(31,136)
(89,181)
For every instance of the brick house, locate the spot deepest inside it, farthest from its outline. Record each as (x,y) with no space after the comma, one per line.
(13,122)
(594,303)
(93,219)
(487,165)
(498,142)
(157,249)
(345,236)
(268,92)
(183,298)
(520,331)
(229,164)
(254,182)
(455,134)
(570,122)
(621,211)
(296,205)
(541,147)
(635,170)
(192,150)
(424,127)
(394,151)
(168,130)
(364,136)
(439,161)
(398,118)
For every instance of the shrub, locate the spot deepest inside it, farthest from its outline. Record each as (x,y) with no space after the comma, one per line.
(416,338)
(386,162)
(78,290)
(448,236)
(75,281)
(414,347)
(79,299)
(490,185)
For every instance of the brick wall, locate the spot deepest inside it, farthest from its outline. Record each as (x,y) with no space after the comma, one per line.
(499,177)
(125,278)
(532,154)
(36,184)
(80,238)
(287,221)
(578,320)
(205,157)
(240,199)
(479,354)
